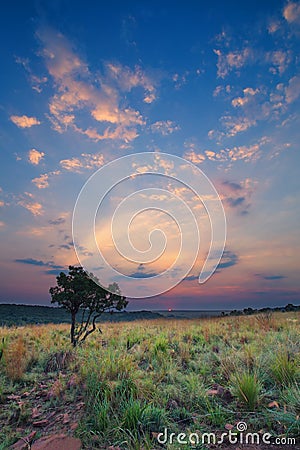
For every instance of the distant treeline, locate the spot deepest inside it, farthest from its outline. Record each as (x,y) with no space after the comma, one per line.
(249,311)
(12,315)
(16,315)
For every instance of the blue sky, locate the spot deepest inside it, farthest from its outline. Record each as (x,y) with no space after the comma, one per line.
(218,84)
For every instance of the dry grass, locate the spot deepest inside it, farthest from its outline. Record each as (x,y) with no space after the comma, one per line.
(184,374)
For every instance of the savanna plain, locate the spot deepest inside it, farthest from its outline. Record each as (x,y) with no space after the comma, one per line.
(122,387)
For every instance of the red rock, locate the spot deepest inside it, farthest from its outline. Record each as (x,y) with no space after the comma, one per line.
(66,418)
(212,392)
(24,443)
(80,405)
(21,444)
(73,426)
(25,394)
(40,423)
(35,413)
(13,397)
(57,442)
(273,404)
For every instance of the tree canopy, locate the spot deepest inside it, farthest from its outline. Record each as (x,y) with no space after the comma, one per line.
(80,293)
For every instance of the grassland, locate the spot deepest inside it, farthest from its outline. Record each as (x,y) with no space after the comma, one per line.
(124,386)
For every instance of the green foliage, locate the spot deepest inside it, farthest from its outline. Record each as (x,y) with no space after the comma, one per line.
(153,418)
(247,387)
(80,293)
(3,345)
(101,415)
(284,369)
(145,376)
(291,397)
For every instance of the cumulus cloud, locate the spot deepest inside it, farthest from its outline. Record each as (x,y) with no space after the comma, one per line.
(24,121)
(242,101)
(195,158)
(34,156)
(280,60)
(273,27)
(232,60)
(291,12)
(292,91)
(85,161)
(235,125)
(247,153)
(103,96)
(42,181)
(164,127)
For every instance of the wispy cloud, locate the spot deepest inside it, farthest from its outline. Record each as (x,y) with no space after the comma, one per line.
(141,273)
(34,207)
(101,95)
(232,185)
(229,259)
(34,156)
(24,121)
(36,262)
(238,195)
(128,79)
(36,81)
(53,269)
(58,221)
(270,277)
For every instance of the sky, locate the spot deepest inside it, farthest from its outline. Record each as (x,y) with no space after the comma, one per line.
(215,83)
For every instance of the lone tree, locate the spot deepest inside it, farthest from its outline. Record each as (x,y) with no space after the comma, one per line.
(79,294)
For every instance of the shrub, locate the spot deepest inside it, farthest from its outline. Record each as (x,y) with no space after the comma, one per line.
(284,369)
(247,388)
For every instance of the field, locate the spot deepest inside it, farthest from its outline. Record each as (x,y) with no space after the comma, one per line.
(137,379)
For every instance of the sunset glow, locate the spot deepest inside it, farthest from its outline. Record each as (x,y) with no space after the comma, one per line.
(217,84)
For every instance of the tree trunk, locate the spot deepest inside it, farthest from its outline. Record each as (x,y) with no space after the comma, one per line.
(73,340)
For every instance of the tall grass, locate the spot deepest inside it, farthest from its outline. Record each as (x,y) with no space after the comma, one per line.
(186,375)
(247,387)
